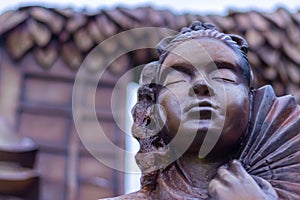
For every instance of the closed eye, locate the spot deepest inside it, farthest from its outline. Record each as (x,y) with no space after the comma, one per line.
(223,79)
(174,82)
(174,76)
(224,75)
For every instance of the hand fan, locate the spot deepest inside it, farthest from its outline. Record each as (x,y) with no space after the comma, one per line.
(271,149)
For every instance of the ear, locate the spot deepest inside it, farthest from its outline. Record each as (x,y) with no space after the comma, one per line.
(149,73)
(241,42)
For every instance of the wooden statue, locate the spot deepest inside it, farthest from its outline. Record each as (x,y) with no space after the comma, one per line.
(205,132)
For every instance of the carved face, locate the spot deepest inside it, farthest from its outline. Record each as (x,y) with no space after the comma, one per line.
(205,92)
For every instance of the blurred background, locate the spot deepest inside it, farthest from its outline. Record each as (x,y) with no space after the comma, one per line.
(43,155)
(176,6)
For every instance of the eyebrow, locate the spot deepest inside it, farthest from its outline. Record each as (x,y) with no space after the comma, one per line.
(224,64)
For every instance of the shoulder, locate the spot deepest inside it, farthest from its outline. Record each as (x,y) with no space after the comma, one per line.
(132,196)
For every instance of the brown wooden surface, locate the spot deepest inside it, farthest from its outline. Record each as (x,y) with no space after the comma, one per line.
(18,176)
(40,108)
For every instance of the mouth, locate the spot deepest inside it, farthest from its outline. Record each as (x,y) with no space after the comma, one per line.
(200,109)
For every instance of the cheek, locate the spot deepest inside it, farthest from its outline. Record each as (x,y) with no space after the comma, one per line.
(170,105)
(239,103)
(237,112)
(171,112)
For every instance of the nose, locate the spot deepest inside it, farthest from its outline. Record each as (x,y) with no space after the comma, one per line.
(201,88)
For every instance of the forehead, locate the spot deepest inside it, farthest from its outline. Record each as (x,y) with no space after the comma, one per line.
(201,52)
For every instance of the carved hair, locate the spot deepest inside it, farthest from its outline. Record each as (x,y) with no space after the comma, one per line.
(154,153)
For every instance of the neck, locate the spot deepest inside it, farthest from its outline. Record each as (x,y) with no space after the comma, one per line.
(198,172)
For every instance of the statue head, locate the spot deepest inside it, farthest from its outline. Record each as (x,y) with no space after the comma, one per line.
(197,94)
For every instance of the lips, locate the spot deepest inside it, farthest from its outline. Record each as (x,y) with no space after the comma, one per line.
(200,109)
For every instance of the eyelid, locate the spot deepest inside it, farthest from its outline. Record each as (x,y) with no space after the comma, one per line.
(224,74)
(174,82)
(178,68)
(224,79)
(175,76)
